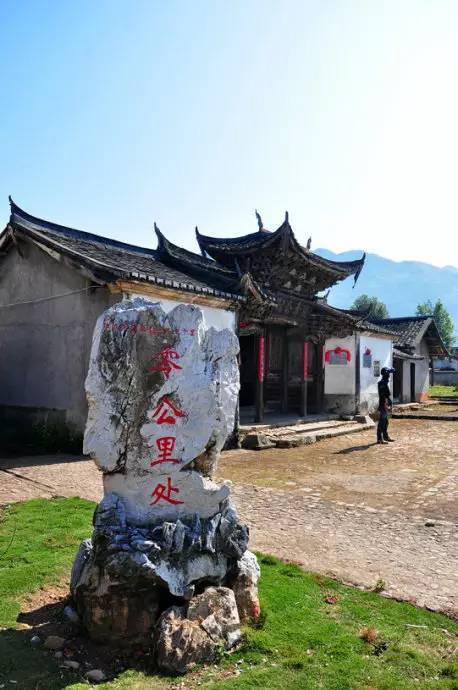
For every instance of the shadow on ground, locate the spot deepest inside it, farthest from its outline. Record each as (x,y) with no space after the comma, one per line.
(355,449)
(35,668)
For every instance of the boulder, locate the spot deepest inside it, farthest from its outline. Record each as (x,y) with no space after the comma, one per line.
(181,643)
(54,642)
(245,587)
(216,610)
(162,392)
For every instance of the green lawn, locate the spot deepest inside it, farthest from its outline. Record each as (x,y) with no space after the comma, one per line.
(305,642)
(449,391)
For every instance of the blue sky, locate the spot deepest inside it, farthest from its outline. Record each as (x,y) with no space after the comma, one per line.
(118,114)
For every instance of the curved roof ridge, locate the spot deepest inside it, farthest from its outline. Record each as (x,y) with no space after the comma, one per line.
(165,246)
(263,238)
(25,220)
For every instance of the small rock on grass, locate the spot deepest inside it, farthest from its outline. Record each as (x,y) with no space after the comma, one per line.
(96,675)
(54,642)
(73,665)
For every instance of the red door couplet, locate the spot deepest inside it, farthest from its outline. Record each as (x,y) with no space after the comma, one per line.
(259,412)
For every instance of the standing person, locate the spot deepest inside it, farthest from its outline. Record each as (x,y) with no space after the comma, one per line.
(384,405)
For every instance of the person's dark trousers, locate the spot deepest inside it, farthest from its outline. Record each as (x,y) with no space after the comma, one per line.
(382,427)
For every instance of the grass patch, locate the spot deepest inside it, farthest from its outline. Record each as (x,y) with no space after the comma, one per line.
(314,633)
(444,391)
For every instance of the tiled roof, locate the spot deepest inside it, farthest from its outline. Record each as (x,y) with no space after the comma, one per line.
(411,330)
(113,260)
(221,247)
(365,323)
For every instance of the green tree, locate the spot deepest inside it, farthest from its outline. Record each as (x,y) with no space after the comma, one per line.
(378,309)
(442,318)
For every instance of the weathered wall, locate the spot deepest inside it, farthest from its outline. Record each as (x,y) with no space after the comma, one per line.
(44,347)
(381,351)
(422,372)
(446,378)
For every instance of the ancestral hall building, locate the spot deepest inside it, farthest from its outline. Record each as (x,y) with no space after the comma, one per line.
(55,281)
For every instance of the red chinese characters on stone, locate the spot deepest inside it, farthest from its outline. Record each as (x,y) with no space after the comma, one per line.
(164,493)
(167,413)
(165,446)
(165,361)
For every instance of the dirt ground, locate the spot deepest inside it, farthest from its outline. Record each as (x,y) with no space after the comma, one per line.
(344,507)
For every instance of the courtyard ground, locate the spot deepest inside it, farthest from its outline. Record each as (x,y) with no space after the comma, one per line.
(344,507)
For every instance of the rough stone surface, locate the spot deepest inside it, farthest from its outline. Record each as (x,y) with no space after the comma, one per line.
(245,587)
(162,392)
(96,675)
(147,366)
(54,642)
(257,442)
(181,643)
(216,609)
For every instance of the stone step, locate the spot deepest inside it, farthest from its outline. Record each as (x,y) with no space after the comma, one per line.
(293,437)
(307,438)
(298,428)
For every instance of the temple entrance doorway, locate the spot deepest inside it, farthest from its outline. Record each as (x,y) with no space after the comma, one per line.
(281,375)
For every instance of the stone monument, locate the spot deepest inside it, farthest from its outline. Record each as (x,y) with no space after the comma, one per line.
(168,559)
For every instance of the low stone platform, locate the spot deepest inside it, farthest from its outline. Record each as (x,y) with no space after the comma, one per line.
(434,411)
(259,437)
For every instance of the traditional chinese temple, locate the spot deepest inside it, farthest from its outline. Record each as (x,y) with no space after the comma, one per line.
(283,323)
(298,354)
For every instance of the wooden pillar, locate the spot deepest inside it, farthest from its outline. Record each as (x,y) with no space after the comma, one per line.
(319,378)
(358,374)
(305,371)
(431,378)
(284,376)
(259,413)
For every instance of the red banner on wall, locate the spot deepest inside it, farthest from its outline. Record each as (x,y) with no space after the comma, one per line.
(306,360)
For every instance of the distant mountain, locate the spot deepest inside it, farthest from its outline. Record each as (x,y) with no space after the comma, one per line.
(401,285)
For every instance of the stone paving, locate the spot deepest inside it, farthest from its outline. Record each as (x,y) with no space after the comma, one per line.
(344,507)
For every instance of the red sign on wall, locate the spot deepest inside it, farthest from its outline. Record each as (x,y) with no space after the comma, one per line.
(306,360)
(337,356)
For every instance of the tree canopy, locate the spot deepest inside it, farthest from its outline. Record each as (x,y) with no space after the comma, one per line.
(364,302)
(442,318)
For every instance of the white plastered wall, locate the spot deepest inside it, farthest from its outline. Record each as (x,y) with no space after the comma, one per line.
(339,379)
(218,318)
(381,350)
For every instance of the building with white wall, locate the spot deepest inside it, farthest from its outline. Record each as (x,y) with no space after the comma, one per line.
(352,369)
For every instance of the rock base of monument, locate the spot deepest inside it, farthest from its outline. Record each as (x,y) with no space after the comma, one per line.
(183,586)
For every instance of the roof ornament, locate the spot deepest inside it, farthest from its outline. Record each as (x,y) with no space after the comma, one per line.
(360,268)
(259,219)
(202,250)
(286,217)
(309,244)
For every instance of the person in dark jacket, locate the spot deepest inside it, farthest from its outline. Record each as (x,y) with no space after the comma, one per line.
(384,405)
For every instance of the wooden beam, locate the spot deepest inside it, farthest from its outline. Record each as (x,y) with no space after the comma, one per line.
(151,290)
